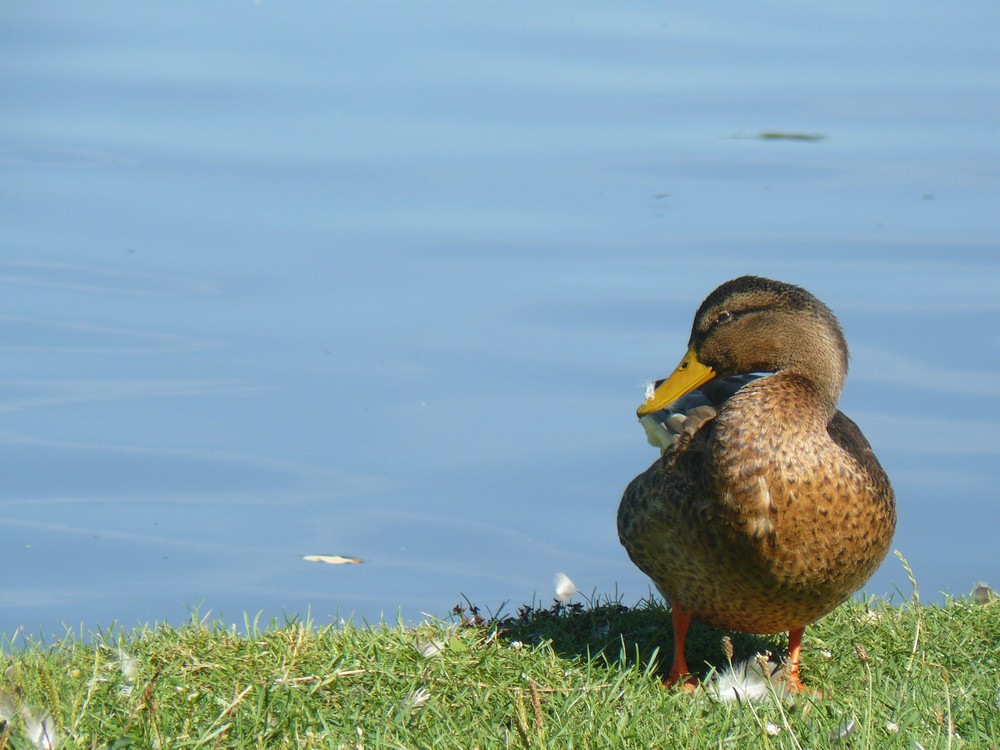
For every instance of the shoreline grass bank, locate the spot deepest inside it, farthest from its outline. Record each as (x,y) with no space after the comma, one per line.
(578,676)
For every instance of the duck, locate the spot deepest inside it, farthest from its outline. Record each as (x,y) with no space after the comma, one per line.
(767,507)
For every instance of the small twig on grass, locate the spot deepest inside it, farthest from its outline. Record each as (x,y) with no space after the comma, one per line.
(916,606)
(314,677)
(536,706)
(145,701)
(521,718)
(218,726)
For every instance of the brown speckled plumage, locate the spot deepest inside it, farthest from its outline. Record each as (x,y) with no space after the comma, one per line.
(775,511)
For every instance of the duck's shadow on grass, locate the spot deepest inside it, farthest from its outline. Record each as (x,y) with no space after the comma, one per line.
(610,633)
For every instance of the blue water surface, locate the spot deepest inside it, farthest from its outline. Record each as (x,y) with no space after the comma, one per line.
(386,280)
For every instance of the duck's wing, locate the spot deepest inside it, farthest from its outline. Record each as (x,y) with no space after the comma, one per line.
(691,411)
(845,433)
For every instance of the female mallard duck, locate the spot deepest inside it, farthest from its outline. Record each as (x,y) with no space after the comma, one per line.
(769,509)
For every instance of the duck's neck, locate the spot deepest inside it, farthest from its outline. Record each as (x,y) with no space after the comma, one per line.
(821,362)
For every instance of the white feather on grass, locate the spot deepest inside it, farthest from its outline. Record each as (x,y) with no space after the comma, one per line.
(429,647)
(40,730)
(128,663)
(755,679)
(8,706)
(565,588)
(844,729)
(416,699)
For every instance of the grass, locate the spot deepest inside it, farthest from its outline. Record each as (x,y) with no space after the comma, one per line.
(560,677)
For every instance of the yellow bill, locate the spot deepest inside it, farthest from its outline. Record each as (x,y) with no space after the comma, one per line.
(687,376)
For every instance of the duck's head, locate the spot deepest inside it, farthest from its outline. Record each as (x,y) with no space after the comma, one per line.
(753,324)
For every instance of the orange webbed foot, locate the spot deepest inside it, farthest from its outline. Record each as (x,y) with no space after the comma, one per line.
(684,682)
(792,680)
(795,687)
(679,675)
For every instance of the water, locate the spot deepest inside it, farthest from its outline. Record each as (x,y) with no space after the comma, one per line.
(385,280)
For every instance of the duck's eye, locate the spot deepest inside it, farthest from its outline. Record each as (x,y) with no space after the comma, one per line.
(723,317)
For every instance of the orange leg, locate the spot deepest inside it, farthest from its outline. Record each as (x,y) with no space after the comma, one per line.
(679,668)
(794,648)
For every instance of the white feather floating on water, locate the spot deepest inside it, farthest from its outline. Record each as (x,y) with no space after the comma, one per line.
(751,680)
(333,559)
